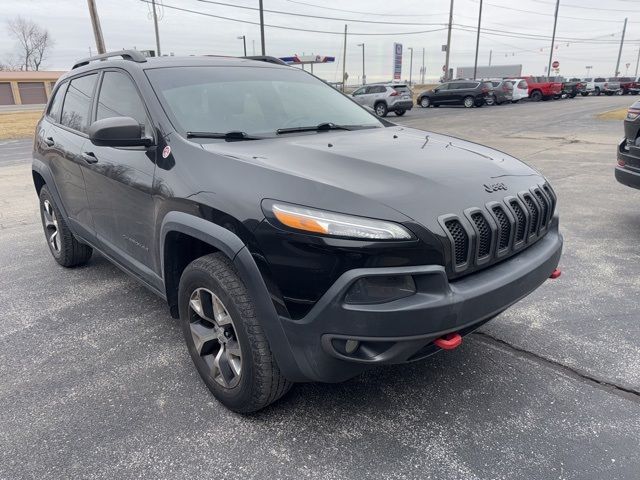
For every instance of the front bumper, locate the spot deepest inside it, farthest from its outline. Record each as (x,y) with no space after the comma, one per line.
(403,330)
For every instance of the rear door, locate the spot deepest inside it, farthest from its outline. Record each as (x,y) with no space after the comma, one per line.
(120,180)
(64,140)
(359,95)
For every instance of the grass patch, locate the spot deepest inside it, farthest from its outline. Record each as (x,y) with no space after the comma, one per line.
(18,124)
(617,114)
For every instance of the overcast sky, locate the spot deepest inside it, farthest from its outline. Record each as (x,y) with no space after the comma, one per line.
(127,24)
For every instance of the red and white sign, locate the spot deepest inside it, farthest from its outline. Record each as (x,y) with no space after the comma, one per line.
(555,64)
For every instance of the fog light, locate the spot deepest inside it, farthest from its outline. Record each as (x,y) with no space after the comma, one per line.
(380,289)
(351,346)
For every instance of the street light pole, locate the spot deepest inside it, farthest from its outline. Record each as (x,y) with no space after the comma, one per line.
(624,29)
(244,43)
(475,64)
(262,28)
(423,70)
(410,65)
(638,61)
(97,29)
(364,77)
(446,61)
(155,25)
(553,38)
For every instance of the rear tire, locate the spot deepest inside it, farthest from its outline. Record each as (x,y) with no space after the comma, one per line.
(536,96)
(224,337)
(597,92)
(381,109)
(468,102)
(64,247)
(584,94)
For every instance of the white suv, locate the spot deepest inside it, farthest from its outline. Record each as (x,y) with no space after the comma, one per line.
(520,89)
(395,97)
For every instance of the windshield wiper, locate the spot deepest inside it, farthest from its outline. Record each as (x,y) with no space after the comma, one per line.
(321,127)
(232,135)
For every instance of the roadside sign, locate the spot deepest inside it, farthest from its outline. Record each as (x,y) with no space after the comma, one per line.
(444,48)
(397,61)
(555,64)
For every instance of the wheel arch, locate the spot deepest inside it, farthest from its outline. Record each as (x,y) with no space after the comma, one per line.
(41,175)
(193,237)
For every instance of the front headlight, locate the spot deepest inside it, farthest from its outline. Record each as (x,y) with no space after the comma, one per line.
(336,224)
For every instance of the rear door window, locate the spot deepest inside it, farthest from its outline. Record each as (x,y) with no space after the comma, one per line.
(77,102)
(523,84)
(401,89)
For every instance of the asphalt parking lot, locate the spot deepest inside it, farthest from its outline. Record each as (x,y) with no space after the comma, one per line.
(96,382)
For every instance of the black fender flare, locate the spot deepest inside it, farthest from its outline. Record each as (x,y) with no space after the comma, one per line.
(234,248)
(42,169)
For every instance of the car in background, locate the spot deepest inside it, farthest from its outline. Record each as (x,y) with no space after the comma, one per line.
(501,92)
(612,87)
(598,85)
(470,93)
(628,169)
(520,89)
(634,89)
(385,98)
(588,86)
(626,84)
(570,88)
(543,88)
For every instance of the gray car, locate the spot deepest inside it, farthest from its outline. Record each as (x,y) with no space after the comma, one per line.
(385,98)
(501,92)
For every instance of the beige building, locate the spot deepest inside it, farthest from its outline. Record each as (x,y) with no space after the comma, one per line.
(23,88)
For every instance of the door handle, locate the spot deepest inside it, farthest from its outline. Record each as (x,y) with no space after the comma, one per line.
(49,141)
(90,157)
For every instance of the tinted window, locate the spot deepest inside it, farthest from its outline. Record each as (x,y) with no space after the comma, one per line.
(359,91)
(119,98)
(444,86)
(77,102)
(401,89)
(522,84)
(495,84)
(255,100)
(379,89)
(588,79)
(600,79)
(56,103)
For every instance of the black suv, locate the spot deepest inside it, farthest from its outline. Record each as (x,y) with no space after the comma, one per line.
(295,235)
(628,169)
(469,93)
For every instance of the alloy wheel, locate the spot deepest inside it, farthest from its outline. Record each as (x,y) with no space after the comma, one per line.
(51,226)
(468,102)
(214,337)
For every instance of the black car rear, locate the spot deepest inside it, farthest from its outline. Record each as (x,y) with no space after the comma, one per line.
(628,169)
(469,93)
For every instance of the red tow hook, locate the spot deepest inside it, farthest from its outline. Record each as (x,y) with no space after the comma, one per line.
(448,341)
(555,274)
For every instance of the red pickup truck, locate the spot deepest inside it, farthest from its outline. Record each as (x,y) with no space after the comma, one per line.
(540,88)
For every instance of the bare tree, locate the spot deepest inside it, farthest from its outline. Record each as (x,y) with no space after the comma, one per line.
(32,43)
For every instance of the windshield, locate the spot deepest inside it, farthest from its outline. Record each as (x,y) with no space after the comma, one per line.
(255,100)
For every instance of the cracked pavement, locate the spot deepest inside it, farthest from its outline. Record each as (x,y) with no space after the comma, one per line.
(95,381)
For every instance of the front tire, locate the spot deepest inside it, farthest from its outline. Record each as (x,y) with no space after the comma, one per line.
(64,247)
(468,102)
(425,102)
(224,337)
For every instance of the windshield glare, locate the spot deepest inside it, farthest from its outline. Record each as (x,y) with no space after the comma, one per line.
(254,100)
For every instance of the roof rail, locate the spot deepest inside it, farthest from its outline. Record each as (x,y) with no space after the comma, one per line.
(266,58)
(131,55)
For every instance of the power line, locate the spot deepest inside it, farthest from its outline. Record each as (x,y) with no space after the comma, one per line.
(534,12)
(367,13)
(583,7)
(283,27)
(354,20)
(533,36)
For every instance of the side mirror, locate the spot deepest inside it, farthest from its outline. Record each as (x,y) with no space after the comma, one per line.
(118,132)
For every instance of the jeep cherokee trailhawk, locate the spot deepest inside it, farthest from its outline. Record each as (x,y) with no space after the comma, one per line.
(295,235)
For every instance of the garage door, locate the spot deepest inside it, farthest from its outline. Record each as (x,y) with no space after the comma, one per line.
(32,92)
(6,97)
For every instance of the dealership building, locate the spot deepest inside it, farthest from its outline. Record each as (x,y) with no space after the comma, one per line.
(26,88)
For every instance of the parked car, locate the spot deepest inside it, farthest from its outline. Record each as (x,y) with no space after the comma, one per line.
(612,87)
(296,236)
(501,92)
(599,85)
(520,89)
(634,89)
(627,171)
(626,84)
(396,98)
(469,93)
(570,88)
(543,88)
(589,86)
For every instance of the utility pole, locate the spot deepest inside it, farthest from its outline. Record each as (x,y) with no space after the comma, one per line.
(490,55)
(344,57)
(624,29)
(95,23)
(411,66)
(423,70)
(475,64)
(364,77)
(155,25)
(253,45)
(446,61)
(638,61)
(244,43)
(262,28)
(553,38)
